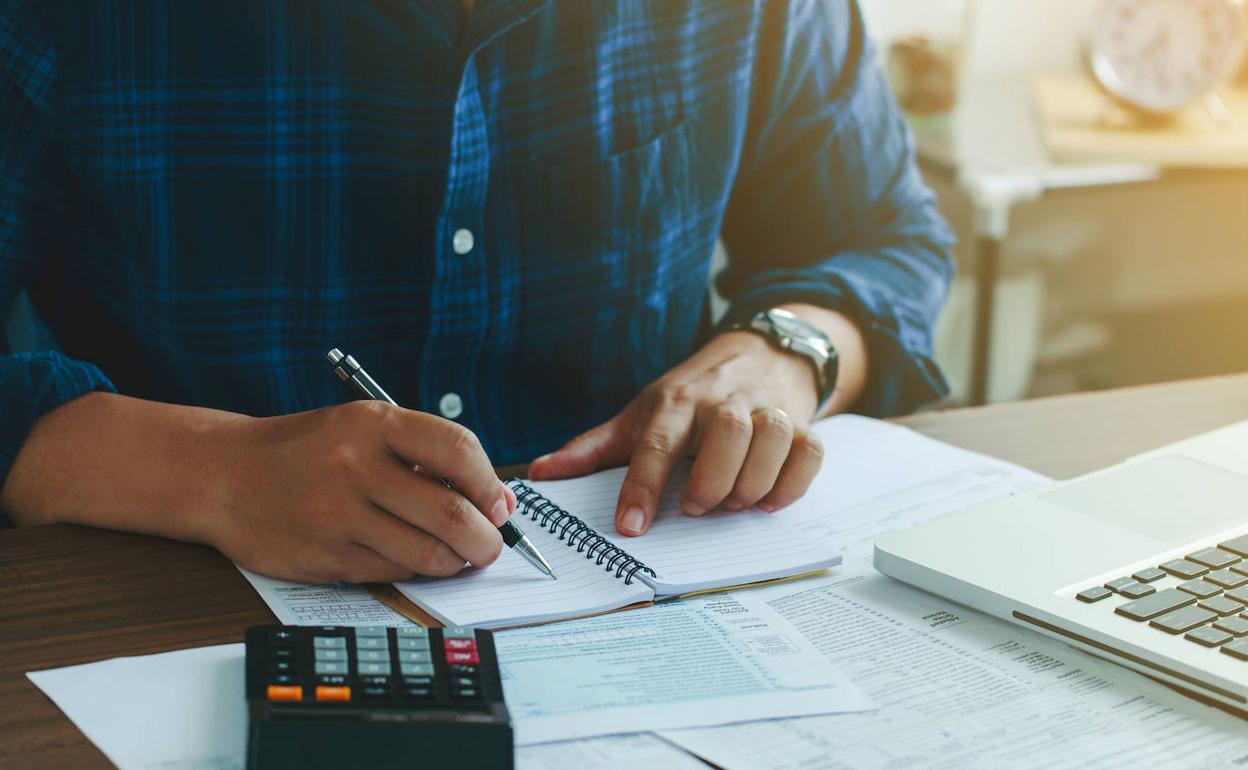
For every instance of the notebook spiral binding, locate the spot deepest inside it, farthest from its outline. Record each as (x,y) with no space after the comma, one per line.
(576,533)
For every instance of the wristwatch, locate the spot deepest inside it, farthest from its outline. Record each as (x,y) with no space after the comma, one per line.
(790,333)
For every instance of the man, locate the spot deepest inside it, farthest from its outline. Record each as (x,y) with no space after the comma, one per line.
(506,209)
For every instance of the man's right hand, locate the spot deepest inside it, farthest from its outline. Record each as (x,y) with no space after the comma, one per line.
(318,496)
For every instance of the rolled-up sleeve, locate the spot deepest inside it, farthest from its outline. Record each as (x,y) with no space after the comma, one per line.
(829,207)
(32,207)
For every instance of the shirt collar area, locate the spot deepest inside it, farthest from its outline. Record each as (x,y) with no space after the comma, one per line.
(491,18)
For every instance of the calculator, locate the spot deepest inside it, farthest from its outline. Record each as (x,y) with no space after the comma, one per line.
(375,697)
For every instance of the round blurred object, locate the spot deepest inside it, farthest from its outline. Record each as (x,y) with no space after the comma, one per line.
(924,55)
(1158,56)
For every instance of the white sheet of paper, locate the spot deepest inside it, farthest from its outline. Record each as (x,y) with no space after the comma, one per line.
(181,710)
(328,604)
(699,661)
(633,752)
(961,689)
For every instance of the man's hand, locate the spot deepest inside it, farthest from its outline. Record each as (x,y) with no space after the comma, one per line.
(319,496)
(741,407)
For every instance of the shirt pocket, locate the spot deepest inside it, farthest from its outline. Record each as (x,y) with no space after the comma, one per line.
(605,248)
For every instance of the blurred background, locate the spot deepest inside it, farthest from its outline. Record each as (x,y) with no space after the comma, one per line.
(1103,240)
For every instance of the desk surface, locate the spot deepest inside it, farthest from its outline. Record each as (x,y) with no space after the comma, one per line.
(75,595)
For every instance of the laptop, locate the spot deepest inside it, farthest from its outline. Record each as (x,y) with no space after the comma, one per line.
(1144,563)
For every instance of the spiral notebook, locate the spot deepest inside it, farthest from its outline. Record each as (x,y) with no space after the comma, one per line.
(572,522)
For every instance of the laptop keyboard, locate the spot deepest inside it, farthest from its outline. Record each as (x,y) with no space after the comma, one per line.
(1203,596)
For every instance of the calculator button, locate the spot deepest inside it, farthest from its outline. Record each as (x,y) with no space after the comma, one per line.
(1237,546)
(1184,568)
(331,655)
(289,678)
(283,666)
(373,692)
(375,668)
(1094,594)
(378,681)
(1199,588)
(459,632)
(413,644)
(464,681)
(281,639)
(279,692)
(333,693)
(418,693)
(373,656)
(1118,584)
(455,643)
(466,693)
(370,631)
(415,656)
(462,656)
(416,669)
(331,667)
(462,669)
(1151,606)
(1184,619)
(1233,626)
(1149,574)
(1208,636)
(427,681)
(409,631)
(332,680)
(1237,649)
(1238,595)
(329,642)
(1213,557)
(284,653)
(372,643)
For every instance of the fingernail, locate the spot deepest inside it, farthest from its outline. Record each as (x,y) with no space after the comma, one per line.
(541,459)
(732,506)
(633,521)
(691,509)
(511,499)
(498,514)
(768,507)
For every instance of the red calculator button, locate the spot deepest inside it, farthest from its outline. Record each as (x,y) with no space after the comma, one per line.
(462,656)
(285,692)
(333,693)
(461,644)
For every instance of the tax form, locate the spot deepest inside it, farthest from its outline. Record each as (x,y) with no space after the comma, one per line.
(704,660)
(327,604)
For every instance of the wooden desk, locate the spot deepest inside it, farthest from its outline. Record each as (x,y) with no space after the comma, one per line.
(74,595)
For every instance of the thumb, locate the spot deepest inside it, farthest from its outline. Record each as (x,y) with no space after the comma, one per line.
(600,447)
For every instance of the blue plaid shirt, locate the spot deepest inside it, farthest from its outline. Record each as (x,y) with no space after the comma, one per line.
(201,197)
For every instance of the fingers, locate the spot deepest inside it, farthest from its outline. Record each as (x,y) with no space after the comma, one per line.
(726,432)
(448,450)
(410,549)
(601,447)
(770,443)
(431,507)
(799,470)
(656,455)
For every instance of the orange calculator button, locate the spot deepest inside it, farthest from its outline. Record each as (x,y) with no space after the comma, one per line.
(285,692)
(333,693)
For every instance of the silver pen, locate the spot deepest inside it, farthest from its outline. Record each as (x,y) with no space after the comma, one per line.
(354,375)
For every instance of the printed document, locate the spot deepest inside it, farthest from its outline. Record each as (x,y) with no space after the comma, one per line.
(327,604)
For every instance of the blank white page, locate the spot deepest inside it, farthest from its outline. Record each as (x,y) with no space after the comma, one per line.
(718,550)
(511,592)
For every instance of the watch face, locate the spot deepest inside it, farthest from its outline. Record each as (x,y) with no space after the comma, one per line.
(789,325)
(1160,55)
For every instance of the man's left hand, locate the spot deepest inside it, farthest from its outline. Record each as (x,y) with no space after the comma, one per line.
(740,407)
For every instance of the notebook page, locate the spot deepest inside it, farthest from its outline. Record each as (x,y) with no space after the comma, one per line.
(718,550)
(511,592)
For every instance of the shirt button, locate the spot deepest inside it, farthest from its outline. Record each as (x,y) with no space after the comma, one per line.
(451,406)
(462,242)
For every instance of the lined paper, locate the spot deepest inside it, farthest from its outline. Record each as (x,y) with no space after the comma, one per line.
(689,553)
(511,592)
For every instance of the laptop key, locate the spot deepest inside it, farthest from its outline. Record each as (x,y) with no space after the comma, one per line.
(1226,578)
(1094,594)
(1136,590)
(1116,585)
(1184,619)
(1221,605)
(1237,649)
(1208,636)
(1199,588)
(1237,546)
(1238,595)
(1234,626)
(1184,568)
(1149,574)
(1213,557)
(1149,607)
